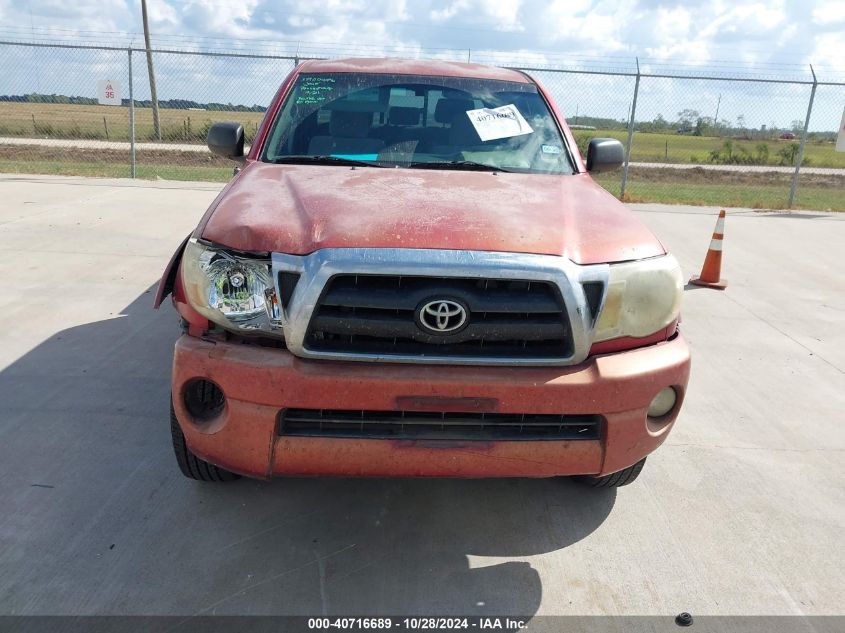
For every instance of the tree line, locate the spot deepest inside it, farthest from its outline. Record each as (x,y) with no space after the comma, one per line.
(177,104)
(693,123)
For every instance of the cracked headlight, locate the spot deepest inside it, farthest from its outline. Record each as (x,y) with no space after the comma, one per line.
(642,298)
(234,291)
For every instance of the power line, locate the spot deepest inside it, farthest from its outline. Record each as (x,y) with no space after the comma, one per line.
(536,58)
(333,45)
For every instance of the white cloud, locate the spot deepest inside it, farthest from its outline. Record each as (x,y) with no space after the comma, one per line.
(100,15)
(751,31)
(827,13)
(501,15)
(829,50)
(302,22)
(217,18)
(504,14)
(747,19)
(681,40)
(161,13)
(582,28)
(450,10)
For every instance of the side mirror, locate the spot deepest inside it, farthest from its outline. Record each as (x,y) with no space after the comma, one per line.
(605,154)
(227,139)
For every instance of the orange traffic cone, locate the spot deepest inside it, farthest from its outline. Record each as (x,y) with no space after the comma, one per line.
(712,269)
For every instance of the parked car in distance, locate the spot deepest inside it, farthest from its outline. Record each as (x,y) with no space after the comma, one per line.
(412,273)
(787,136)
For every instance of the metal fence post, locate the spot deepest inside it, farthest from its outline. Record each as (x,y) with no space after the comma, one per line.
(799,159)
(630,131)
(131,121)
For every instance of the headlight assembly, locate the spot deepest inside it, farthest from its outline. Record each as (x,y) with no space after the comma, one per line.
(234,291)
(642,298)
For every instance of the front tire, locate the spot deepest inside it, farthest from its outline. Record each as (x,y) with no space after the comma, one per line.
(614,480)
(192,466)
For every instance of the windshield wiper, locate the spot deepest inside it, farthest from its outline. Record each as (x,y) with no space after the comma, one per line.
(322,160)
(468,165)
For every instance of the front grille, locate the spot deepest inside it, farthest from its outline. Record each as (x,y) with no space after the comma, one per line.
(436,425)
(380,314)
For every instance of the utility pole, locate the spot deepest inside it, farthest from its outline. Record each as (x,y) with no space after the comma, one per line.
(153,95)
(716,118)
(631,114)
(800,158)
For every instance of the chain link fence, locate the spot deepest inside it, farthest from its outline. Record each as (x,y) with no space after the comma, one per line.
(821,179)
(697,138)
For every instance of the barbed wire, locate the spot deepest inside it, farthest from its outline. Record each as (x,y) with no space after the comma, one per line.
(703,68)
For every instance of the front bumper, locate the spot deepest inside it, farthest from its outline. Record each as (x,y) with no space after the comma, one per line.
(260,382)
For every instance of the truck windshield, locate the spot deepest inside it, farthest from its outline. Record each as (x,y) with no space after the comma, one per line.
(423,122)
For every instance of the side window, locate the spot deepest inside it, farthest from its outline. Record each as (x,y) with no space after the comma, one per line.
(405,98)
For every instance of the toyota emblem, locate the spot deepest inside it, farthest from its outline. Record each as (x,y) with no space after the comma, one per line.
(442,316)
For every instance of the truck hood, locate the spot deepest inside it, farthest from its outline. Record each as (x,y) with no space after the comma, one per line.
(299,209)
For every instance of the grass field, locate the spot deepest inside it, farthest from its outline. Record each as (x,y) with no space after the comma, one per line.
(671,186)
(45,120)
(732,189)
(164,164)
(680,148)
(42,120)
(111,170)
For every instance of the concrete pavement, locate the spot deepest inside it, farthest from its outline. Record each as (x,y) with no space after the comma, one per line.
(741,512)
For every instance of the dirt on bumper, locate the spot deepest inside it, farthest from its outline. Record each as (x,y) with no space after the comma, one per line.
(259,383)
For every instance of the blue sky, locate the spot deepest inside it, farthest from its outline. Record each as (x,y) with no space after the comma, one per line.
(796,31)
(772,38)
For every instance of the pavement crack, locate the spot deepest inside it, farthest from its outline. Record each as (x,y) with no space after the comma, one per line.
(269,529)
(318,561)
(321,569)
(786,334)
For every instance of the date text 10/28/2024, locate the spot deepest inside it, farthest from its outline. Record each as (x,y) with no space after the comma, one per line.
(418,624)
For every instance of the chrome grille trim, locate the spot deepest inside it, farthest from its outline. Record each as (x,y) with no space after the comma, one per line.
(317,268)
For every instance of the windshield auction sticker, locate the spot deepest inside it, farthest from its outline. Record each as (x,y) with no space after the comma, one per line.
(503,122)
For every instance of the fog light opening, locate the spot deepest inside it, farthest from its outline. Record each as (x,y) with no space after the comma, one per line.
(663,403)
(203,399)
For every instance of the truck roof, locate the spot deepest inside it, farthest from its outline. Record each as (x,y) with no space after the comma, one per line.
(393,65)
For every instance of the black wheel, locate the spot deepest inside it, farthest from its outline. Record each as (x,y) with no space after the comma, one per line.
(192,466)
(614,480)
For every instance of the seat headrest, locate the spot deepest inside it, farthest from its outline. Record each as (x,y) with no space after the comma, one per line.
(401,115)
(446,109)
(462,133)
(346,124)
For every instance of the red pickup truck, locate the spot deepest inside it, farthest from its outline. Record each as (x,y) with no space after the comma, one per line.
(412,273)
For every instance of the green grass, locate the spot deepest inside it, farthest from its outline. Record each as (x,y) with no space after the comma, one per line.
(679,191)
(66,121)
(682,148)
(111,170)
(763,196)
